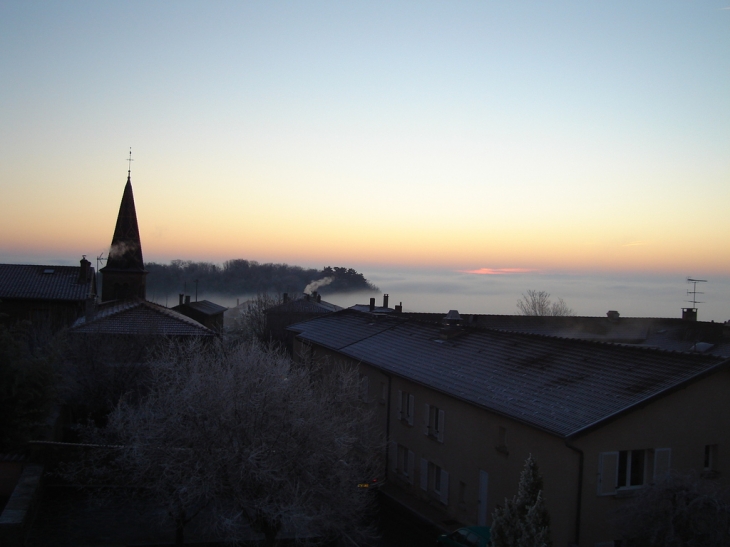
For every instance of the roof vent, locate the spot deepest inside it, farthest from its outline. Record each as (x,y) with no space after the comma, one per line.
(612,315)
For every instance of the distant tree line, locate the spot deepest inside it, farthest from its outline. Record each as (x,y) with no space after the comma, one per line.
(239,277)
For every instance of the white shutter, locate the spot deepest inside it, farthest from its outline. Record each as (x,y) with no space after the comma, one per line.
(607,473)
(662,463)
(400,404)
(411,408)
(444,487)
(426,417)
(411,466)
(424,474)
(442,415)
(393,455)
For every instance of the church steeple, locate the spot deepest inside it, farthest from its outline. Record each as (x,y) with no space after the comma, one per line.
(124,273)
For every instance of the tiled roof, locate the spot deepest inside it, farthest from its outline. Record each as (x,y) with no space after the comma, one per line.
(562,386)
(304,305)
(43,282)
(672,334)
(204,306)
(139,317)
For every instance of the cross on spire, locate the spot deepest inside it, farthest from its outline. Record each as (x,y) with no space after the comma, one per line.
(130,160)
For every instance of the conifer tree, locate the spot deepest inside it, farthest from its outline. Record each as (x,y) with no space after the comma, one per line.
(524,520)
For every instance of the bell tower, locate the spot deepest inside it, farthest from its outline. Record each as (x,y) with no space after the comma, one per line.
(124,275)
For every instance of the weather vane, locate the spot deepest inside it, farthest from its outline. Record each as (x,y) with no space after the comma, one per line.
(130,160)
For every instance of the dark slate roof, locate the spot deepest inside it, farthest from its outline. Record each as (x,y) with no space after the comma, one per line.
(203,306)
(559,385)
(125,252)
(44,282)
(139,317)
(672,334)
(304,305)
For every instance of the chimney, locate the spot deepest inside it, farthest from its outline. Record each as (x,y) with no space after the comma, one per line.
(84,271)
(372,304)
(285,297)
(187,299)
(319,297)
(314,295)
(181,298)
(399,308)
(385,300)
(689,314)
(451,325)
(613,315)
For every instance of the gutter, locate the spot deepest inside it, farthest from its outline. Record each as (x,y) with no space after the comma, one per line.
(579,497)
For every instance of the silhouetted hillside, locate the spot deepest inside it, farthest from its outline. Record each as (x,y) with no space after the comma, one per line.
(238,277)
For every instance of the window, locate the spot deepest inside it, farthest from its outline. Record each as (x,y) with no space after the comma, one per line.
(364,387)
(433,422)
(406,406)
(710,466)
(405,462)
(502,440)
(629,469)
(438,483)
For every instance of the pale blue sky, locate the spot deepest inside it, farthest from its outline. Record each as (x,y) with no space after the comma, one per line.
(540,135)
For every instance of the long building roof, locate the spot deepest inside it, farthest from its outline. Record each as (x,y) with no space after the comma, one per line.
(563,386)
(37,282)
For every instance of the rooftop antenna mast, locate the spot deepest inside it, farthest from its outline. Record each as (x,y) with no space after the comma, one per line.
(694,292)
(99,259)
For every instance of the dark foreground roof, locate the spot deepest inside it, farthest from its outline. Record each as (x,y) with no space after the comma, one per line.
(562,386)
(44,282)
(304,305)
(139,317)
(205,307)
(658,332)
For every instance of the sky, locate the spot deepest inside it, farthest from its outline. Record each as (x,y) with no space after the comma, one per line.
(473,136)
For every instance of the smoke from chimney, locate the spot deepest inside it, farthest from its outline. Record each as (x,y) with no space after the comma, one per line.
(314,285)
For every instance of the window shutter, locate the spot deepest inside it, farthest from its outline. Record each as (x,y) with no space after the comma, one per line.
(411,466)
(444,487)
(662,463)
(393,453)
(426,417)
(442,415)
(411,408)
(607,473)
(400,404)
(424,474)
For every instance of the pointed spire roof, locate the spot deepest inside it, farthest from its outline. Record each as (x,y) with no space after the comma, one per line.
(125,252)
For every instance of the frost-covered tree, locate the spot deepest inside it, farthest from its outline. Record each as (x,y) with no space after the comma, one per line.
(523,521)
(679,511)
(539,303)
(256,440)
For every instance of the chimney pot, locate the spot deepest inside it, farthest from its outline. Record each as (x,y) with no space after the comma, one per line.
(319,298)
(372,304)
(689,314)
(187,299)
(182,296)
(385,300)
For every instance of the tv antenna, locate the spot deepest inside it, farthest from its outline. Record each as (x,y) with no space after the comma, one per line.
(694,292)
(99,259)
